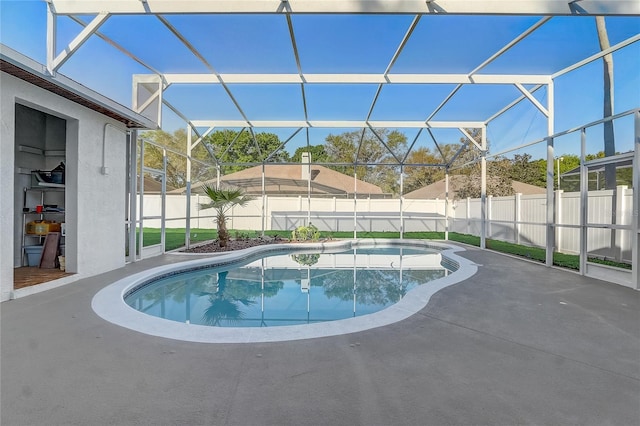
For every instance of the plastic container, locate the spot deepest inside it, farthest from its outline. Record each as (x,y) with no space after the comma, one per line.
(33,255)
(42,227)
(57,174)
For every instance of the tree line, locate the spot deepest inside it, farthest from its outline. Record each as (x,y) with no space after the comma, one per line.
(372,157)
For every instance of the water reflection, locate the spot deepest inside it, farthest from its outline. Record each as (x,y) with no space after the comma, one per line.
(291,289)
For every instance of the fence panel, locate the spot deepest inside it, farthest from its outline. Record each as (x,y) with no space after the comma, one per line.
(333,214)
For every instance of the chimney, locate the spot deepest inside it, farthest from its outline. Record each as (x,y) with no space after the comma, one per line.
(306,167)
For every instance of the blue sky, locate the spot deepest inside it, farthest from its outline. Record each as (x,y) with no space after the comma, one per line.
(350,44)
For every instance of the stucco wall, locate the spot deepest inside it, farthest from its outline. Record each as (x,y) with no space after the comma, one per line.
(95,203)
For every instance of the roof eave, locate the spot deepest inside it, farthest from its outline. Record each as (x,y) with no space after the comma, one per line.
(24,68)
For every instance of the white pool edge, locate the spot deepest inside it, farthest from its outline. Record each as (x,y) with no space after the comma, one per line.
(109,302)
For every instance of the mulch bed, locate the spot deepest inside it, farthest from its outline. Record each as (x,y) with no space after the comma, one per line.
(235,244)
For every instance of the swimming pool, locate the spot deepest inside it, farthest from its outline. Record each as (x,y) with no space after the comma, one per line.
(284,292)
(291,289)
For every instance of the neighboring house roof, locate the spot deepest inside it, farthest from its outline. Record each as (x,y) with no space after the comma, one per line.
(437,189)
(288,180)
(620,164)
(24,68)
(526,189)
(152,186)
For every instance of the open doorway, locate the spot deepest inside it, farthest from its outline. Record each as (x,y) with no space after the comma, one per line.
(40,194)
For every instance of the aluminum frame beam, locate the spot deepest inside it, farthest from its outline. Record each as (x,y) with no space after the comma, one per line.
(597,56)
(533,100)
(485,7)
(472,75)
(473,141)
(512,104)
(117,46)
(337,124)
(78,41)
(300,78)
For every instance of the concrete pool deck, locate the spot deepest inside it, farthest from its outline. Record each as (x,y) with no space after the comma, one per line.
(517,343)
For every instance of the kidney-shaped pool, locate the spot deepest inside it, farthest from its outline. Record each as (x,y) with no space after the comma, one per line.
(284,292)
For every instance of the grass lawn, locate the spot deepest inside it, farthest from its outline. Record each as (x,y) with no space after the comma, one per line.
(175,239)
(570,261)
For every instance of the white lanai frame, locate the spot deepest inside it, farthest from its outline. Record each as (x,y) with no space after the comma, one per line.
(156,83)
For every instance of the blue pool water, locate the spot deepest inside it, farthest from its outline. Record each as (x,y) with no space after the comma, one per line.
(290,289)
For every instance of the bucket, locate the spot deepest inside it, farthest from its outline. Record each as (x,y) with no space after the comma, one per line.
(33,255)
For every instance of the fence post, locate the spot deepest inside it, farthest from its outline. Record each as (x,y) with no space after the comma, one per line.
(550,219)
(621,219)
(635,206)
(267,215)
(517,217)
(558,221)
(335,219)
(198,209)
(468,213)
(489,214)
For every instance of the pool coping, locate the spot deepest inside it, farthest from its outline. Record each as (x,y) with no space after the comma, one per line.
(109,303)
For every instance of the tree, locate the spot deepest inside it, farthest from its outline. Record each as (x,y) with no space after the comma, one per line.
(245,149)
(524,170)
(498,181)
(176,163)
(498,171)
(222,200)
(609,138)
(420,176)
(318,154)
(568,162)
(350,147)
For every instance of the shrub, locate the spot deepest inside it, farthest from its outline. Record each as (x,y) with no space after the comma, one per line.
(305,233)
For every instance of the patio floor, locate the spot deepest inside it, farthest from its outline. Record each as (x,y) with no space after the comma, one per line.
(517,343)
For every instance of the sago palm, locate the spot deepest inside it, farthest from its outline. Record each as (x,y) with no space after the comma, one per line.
(222,200)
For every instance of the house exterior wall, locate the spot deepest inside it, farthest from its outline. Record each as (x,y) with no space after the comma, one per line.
(95,203)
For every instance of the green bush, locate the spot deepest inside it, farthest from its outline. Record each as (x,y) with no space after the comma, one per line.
(307,259)
(305,233)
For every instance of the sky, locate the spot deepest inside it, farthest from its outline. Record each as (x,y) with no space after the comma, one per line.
(353,44)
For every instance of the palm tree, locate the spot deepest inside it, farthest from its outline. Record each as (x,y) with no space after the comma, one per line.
(609,140)
(222,200)
(223,306)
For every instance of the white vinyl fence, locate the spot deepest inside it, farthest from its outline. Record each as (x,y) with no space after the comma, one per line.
(519,219)
(287,213)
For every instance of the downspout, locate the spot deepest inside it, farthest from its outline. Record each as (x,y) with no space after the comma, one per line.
(262,184)
(446,203)
(483,190)
(133,193)
(187,233)
(401,205)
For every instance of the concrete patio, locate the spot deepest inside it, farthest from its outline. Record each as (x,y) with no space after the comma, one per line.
(518,343)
